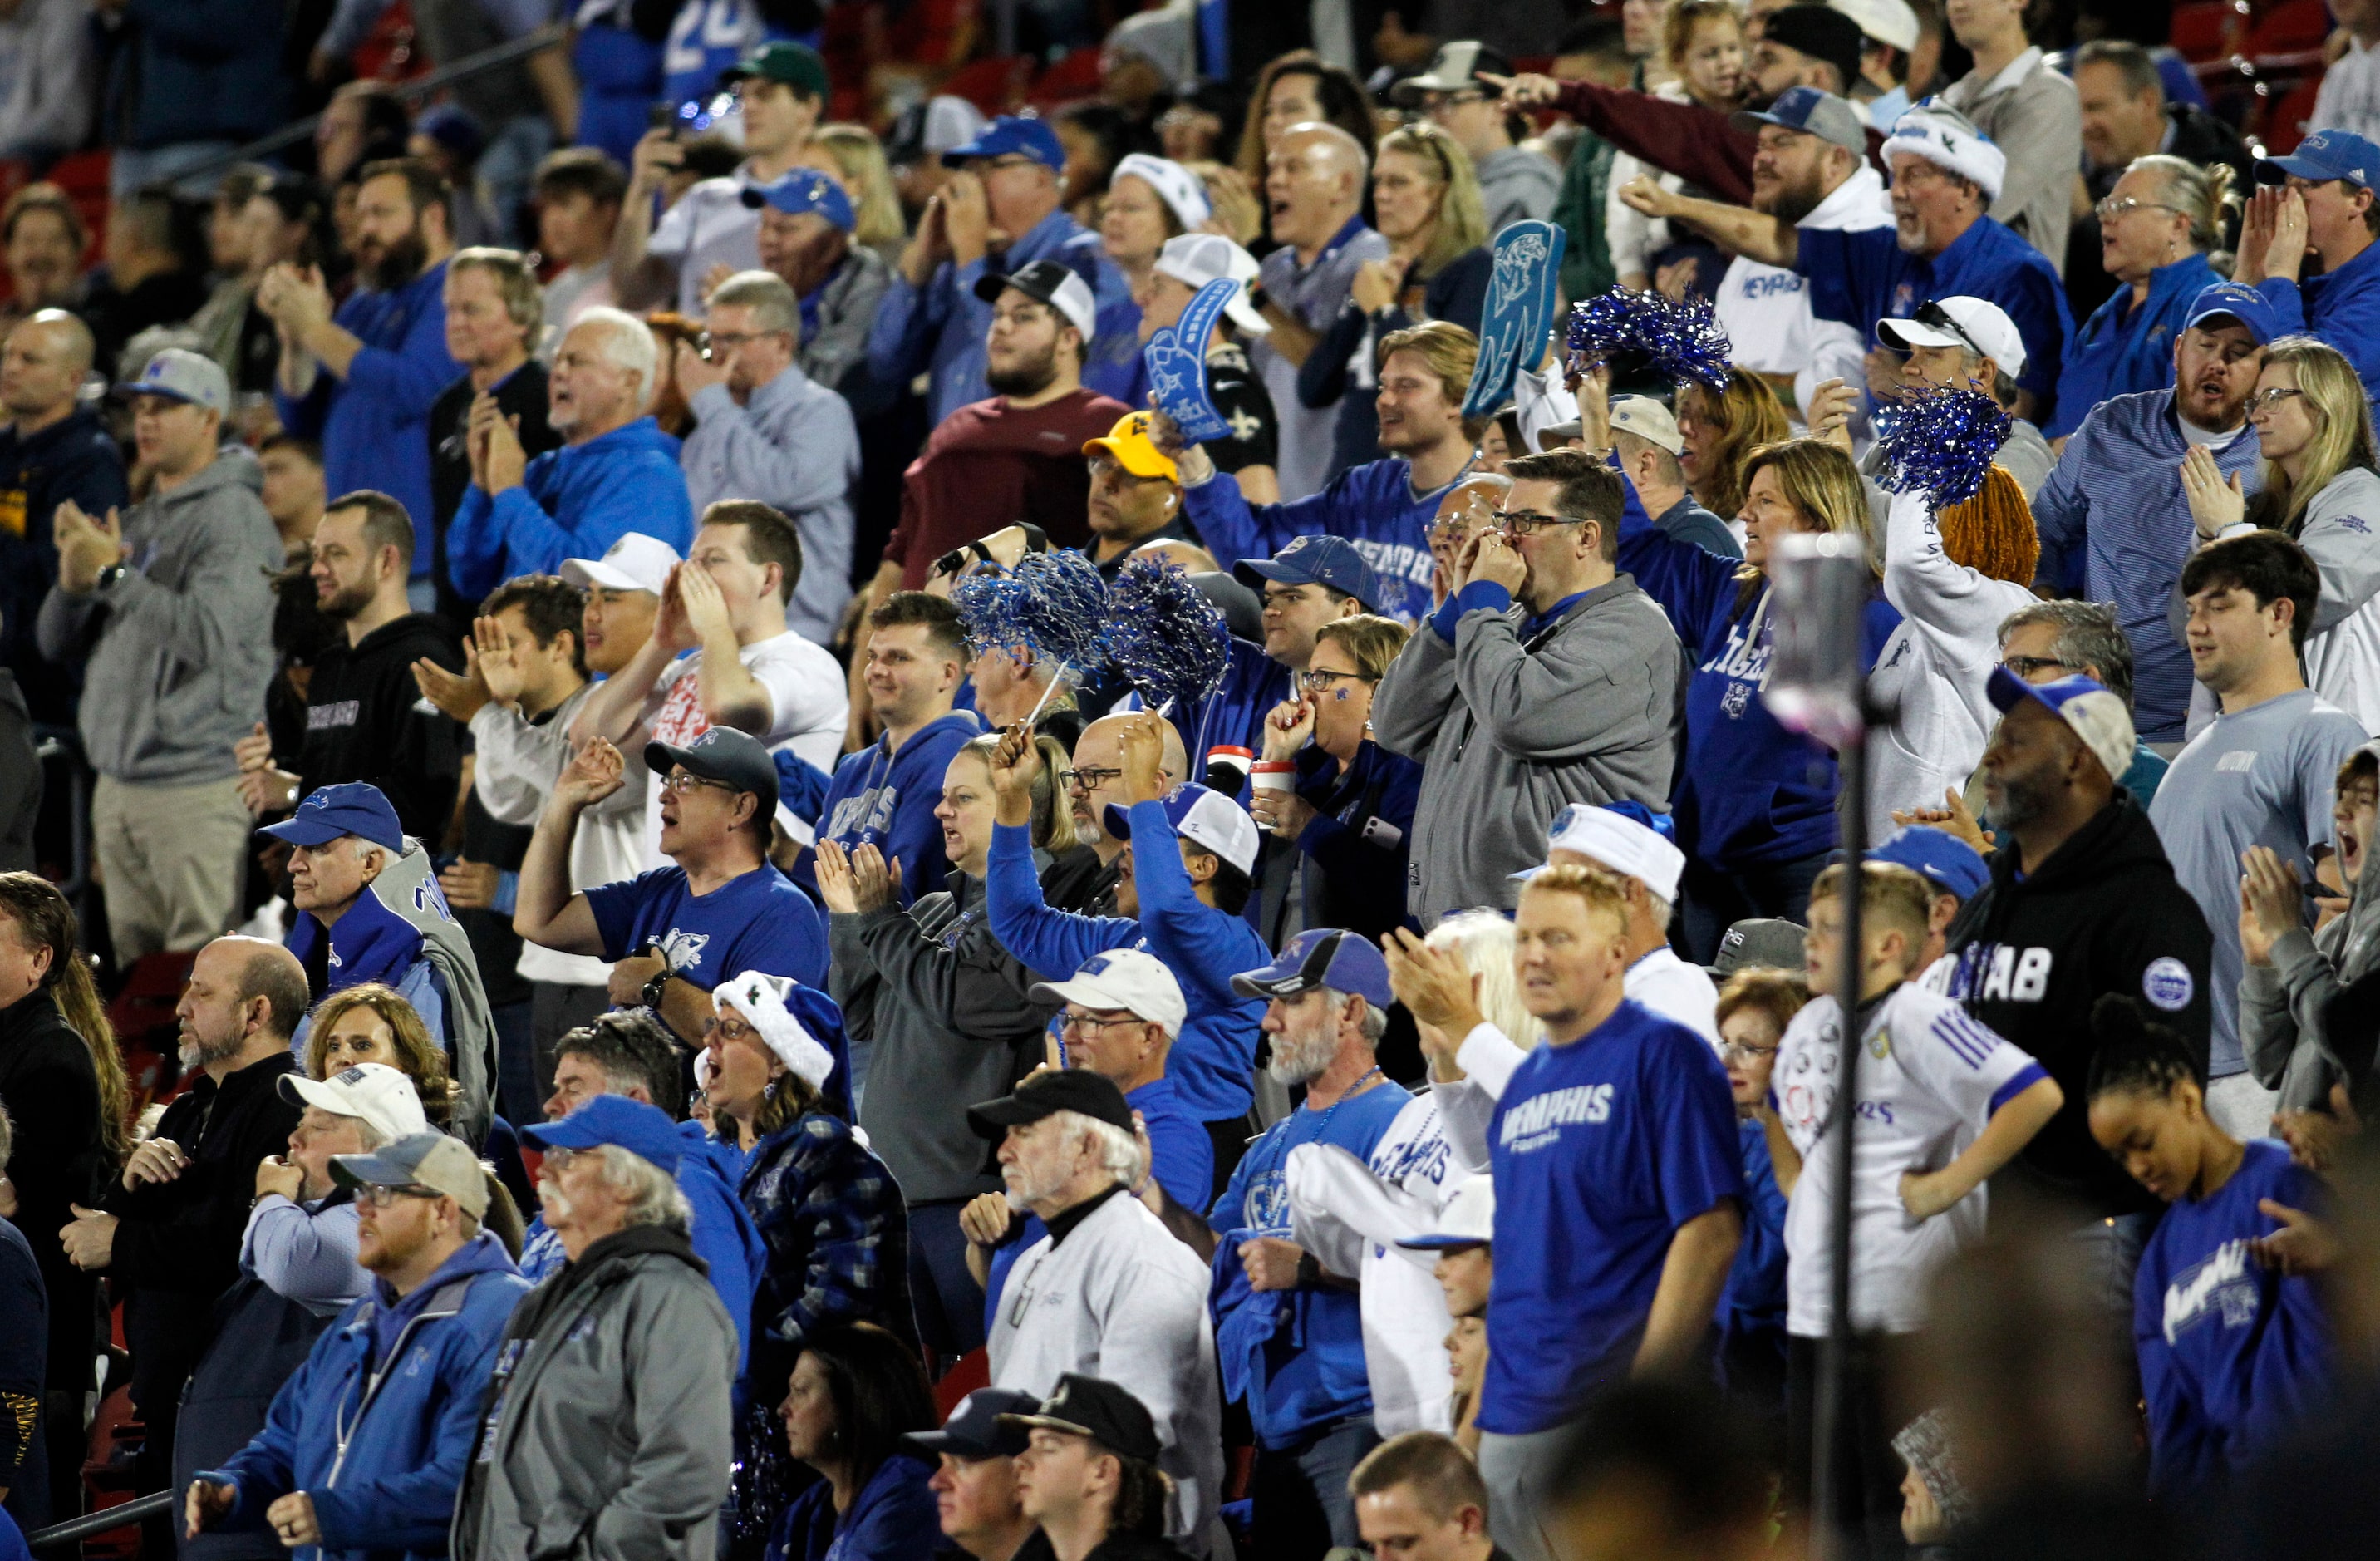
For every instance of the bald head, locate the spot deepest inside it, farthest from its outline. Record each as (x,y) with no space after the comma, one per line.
(1098,776)
(1314,182)
(1468,508)
(267,971)
(42,368)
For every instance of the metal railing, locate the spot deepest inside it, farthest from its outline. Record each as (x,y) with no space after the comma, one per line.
(121,1516)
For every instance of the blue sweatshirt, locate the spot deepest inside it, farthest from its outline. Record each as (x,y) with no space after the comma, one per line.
(1233,715)
(1754,1301)
(1750,793)
(572,503)
(2232,1354)
(2344,310)
(374,425)
(1374,506)
(2121,350)
(886,799)
(1212,1066)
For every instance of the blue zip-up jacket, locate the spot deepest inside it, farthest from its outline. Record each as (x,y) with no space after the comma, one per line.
(940,328)
(380,1446)
(374,425)
(721,1231)
(1750,793)
(1374,506)
(886,799)
(2114,527)
(2233,1355)
(572,503)
(1214,1059)
(2121,350)
(2342,307)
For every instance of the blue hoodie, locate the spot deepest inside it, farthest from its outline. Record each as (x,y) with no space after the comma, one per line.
(1750,793)
(722,1230)
(887,799)
(1213,1062)
(2233,1354)
(1372,505)
(572,503)
(1233,715)
(374,424)
(409,1428)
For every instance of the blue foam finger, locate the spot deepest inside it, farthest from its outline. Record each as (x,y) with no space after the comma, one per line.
(1521,296)
(1176,358)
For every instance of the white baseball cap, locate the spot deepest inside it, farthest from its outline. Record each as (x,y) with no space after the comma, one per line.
(1980,327)
(1648,421)
(1208,819)
(1616,841)
(1200,258)
(1890,22)
(635,562)
(1130,979)
(375,1094)
(1467,1220)
(1176,185)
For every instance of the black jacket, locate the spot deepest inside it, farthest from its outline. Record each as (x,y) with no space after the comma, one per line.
(178,1247)
(72,458)
(2104,913)
(522,395)
(20,778)
(51,1091)
(366,721)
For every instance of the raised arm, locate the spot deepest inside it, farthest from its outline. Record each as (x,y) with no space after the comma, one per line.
(1753,235)
(547,912)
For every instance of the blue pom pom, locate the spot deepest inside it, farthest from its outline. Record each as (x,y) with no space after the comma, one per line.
(1061,606)
(1164,635)
(1681,341)
(988,605)
(1941,445)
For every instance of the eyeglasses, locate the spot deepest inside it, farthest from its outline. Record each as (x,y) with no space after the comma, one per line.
(2110,209)
(1438,102)
(1076,1023)
(726,1030)
(682,782)
(1318,681)
(1743,1052)
(1528,523)
(2265,400)
(1088,780)
(2026,667)
(382,1197)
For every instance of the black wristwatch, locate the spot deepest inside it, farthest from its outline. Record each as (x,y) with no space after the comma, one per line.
(109,576)
(651,995)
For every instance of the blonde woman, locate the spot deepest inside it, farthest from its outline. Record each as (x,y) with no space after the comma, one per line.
(2314,428)
(1425,203)
(853,158)
(1720,429)
(1755,803)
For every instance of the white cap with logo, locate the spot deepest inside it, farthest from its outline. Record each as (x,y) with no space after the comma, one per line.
(373,1093)
(635,562)
(1618,842)
(1130,979)
(1981,327)
(1198,259)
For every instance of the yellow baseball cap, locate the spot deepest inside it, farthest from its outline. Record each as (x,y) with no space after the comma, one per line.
(1128,441)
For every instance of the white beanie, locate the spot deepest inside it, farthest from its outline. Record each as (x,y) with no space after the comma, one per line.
(1948,140)
(761,1000)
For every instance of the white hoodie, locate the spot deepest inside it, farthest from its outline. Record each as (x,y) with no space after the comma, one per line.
(1933,668)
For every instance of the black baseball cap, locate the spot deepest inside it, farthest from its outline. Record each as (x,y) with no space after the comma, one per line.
(1108,1415)
(983,1426)
(1821,32)
(721,754)
(1043,1094)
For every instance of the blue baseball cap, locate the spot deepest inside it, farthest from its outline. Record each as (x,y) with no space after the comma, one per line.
(1812,111)
(2097,716)
(614,1121)
(805,189)
(1316,560)
(1209,819)
(1329,957)
(1012,135)
(1940,858)
(2240,303)
(350,807)
(2325,154)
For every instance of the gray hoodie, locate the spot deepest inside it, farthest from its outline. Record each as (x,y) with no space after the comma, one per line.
(181,647)
(1509,732)
(2281,1004)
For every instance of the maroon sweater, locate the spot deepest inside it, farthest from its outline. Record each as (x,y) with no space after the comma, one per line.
(990,465)
(1685,138)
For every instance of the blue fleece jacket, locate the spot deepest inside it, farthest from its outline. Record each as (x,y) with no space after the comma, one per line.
(1374,506)
(2233,1354)
(2342,307)
(572,503)
(374,424)
(407,1434)
(886,799)
(1750,793)
(2121,350)
(1213,1061)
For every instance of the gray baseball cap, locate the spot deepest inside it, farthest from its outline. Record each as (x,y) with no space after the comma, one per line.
(1812,113)
(1764,942)
(180,374)
(430,1161)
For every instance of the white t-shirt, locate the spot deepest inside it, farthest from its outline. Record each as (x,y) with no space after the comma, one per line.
(2349,98)
(1350,1214)
(1929,1082)
(809,705)
(1766,309)
(1675,990)
(710,225)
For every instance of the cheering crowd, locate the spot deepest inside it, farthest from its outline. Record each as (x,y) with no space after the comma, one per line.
(801,930)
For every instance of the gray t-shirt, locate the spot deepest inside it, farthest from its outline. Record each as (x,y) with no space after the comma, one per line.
(2264,777)
(1314,294)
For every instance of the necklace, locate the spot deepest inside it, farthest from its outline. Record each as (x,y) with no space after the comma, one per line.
(1352,1091)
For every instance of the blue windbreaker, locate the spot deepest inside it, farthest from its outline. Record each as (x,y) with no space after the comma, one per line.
(380,1448)
(572,503)
(2121,350)
(2342,307)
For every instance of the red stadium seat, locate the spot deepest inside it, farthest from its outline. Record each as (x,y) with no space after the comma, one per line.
(2204,30)
(994,85)
(1076,76)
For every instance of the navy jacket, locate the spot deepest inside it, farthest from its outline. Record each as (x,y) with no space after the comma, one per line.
(72,458)
(198,70)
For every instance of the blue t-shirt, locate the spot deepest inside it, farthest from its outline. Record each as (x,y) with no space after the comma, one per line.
(1314,1367)
(759,922)
(1600,1149)
(1754,1300)
(2232,1353)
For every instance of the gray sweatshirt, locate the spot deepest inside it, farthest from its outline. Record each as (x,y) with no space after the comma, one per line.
(181,647)
(1516,183)
(2031,114)
(2342,648)
(1509,732)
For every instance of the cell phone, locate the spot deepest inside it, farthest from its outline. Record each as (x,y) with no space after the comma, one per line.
(660,116)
